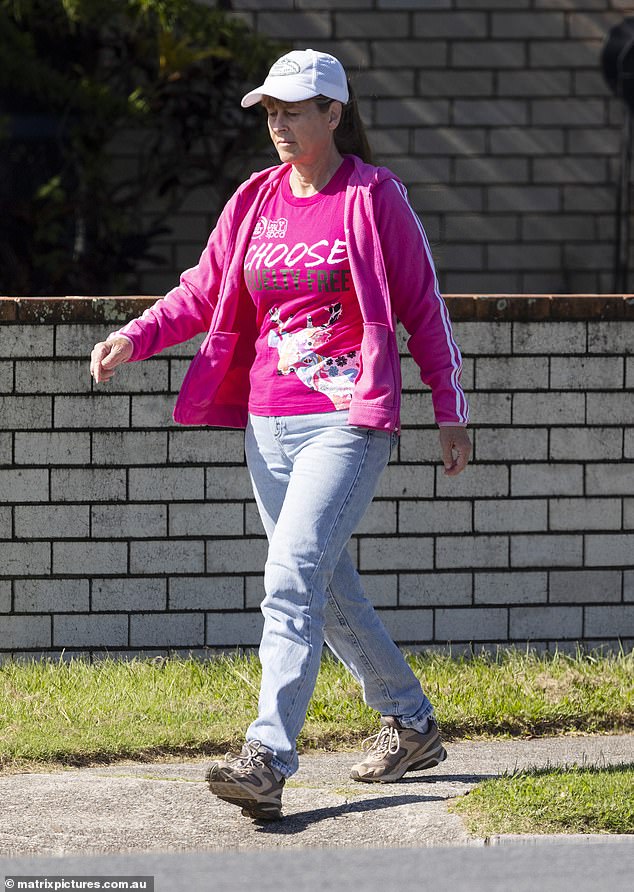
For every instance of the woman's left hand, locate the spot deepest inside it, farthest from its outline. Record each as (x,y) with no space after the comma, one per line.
(456,449)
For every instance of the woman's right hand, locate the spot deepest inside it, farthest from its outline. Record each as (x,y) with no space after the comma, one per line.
(107,355)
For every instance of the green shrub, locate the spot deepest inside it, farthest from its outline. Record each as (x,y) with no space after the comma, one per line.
(156,80)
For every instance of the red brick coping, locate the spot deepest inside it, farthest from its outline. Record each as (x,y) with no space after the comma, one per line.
(462,308)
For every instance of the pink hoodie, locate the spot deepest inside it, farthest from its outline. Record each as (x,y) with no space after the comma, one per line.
(393,275)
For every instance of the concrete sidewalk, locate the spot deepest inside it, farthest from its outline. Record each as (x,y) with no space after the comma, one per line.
(163,808)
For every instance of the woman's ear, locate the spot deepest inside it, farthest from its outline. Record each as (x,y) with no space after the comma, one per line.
(334,114)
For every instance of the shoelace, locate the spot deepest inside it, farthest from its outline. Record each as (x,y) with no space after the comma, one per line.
(385,741)
(250,757)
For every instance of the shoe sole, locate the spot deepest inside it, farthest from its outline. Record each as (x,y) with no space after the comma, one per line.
(431,760)
(230,791)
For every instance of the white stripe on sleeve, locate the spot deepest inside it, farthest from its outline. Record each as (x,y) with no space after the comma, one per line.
(461,401)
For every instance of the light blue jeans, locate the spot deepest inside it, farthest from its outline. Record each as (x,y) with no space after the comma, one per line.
(314,477)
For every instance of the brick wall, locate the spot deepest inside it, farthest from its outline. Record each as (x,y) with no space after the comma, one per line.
(122,531)
(495,114)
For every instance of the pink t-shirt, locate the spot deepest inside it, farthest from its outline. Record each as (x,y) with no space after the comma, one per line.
(310,326)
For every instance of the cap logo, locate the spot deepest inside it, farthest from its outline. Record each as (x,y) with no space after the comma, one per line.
(283,67)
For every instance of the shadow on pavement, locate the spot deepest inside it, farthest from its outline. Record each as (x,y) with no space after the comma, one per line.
(301,821)
(447,778)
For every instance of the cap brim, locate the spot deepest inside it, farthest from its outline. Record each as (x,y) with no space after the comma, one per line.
(284,92)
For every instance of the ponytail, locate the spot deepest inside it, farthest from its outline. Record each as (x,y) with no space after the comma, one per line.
(350,135)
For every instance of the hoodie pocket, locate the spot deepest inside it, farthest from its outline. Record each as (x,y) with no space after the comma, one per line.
(208,369)
(379,379)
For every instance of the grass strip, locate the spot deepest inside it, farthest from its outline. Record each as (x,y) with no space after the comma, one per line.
(567,799)
(75,712)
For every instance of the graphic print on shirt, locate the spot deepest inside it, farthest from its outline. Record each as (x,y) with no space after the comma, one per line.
(298,353)
(266,255)
(310,327)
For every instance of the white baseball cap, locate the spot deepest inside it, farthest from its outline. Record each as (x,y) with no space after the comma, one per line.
(299,75)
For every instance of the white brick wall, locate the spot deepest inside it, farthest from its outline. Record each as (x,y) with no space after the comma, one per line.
(120,530)
(494,112)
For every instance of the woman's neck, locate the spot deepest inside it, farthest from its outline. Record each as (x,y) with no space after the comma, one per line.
(308,179)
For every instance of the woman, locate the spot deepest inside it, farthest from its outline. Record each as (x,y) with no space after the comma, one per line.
(298,288)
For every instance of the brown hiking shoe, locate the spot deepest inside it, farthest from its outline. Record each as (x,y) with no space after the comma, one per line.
(247,780)
(395,750)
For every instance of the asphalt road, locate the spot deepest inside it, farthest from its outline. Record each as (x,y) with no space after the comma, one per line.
(545,867)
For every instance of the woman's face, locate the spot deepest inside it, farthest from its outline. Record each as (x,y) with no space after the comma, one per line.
(301,132)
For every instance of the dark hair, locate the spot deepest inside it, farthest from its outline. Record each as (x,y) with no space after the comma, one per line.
(350,135)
